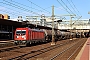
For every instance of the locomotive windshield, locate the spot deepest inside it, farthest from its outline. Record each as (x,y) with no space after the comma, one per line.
(22,32)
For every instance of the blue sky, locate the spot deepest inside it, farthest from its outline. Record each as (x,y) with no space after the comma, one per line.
(24,8)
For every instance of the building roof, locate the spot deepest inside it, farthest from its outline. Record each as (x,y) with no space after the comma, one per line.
(22,24)
(10,22)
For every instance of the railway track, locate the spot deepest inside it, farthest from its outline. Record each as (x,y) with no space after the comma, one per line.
(10,48)
(6,43)
(36,53)
(69,52)
(43,51)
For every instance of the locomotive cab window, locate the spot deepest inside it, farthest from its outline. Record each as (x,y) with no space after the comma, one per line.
(22,32)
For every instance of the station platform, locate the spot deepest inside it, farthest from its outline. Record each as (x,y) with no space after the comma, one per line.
(84,54)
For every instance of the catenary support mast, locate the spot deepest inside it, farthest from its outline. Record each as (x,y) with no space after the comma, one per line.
(53,33)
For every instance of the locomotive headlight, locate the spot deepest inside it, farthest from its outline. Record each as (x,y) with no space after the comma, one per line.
(24,37)
(17,36)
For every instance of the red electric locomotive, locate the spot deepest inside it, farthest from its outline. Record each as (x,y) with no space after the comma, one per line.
(28,36)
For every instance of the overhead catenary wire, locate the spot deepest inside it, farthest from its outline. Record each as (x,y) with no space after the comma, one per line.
(19,7)
(63,7)
(75,7)
(77,11)
(16,12)
(12,13)
(67,10)
(67,7)
(38,6)
(27,6)
(12,5)
(9,12)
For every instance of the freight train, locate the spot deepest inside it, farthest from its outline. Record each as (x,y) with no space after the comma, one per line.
(87,34)
(28,36)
